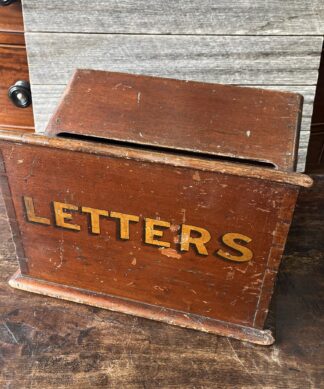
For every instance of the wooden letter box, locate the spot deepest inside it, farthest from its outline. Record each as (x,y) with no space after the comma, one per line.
(165,199)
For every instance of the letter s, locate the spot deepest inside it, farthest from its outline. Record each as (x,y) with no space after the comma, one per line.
(229,240)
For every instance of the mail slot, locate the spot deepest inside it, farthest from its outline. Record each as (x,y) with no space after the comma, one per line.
(166,199)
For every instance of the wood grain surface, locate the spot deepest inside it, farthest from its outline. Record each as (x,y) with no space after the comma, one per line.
(191,283)
(286,63)
(211,119)
(11,18)
(13,67)
(246,60)
(270,44)
(12,38)
(141,154)
(242,17)
(48,97)
(47,343)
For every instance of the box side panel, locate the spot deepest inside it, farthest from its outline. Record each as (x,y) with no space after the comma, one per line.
(285,215)
(176,248)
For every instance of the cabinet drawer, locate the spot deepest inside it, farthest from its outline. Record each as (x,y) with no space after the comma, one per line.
(11,19)
(13,67)
(12,38)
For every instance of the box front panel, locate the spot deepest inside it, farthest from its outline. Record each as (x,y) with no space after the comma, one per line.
(194,241)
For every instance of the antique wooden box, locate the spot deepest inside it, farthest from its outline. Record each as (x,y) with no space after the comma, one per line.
(165,199)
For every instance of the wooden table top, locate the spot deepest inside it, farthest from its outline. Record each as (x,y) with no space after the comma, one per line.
(47,343)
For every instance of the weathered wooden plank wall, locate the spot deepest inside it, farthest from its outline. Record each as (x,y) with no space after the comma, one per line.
(227,17)
(268,44)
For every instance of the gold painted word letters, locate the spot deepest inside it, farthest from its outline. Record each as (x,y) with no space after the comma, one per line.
(190,236)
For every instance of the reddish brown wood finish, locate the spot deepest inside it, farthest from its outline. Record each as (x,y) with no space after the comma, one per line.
(183,288)
(13,67)
(43,338)
(12,38)
(214,119)
(51,184)
(11,19)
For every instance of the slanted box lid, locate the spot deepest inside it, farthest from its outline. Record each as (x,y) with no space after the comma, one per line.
(205,119)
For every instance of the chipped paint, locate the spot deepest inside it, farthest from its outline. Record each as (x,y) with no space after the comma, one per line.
(174,227)
(170,253)
(122,86)
(196,176)
(183,211)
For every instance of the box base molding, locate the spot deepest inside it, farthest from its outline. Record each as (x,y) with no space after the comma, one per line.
(135,308)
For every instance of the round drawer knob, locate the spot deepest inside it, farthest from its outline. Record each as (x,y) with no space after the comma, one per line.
(20,94)
(3,3)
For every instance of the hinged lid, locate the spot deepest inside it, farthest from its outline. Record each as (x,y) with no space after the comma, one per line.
(209,119)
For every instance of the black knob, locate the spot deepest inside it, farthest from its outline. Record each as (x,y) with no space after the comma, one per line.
(3,3)
(20,94)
